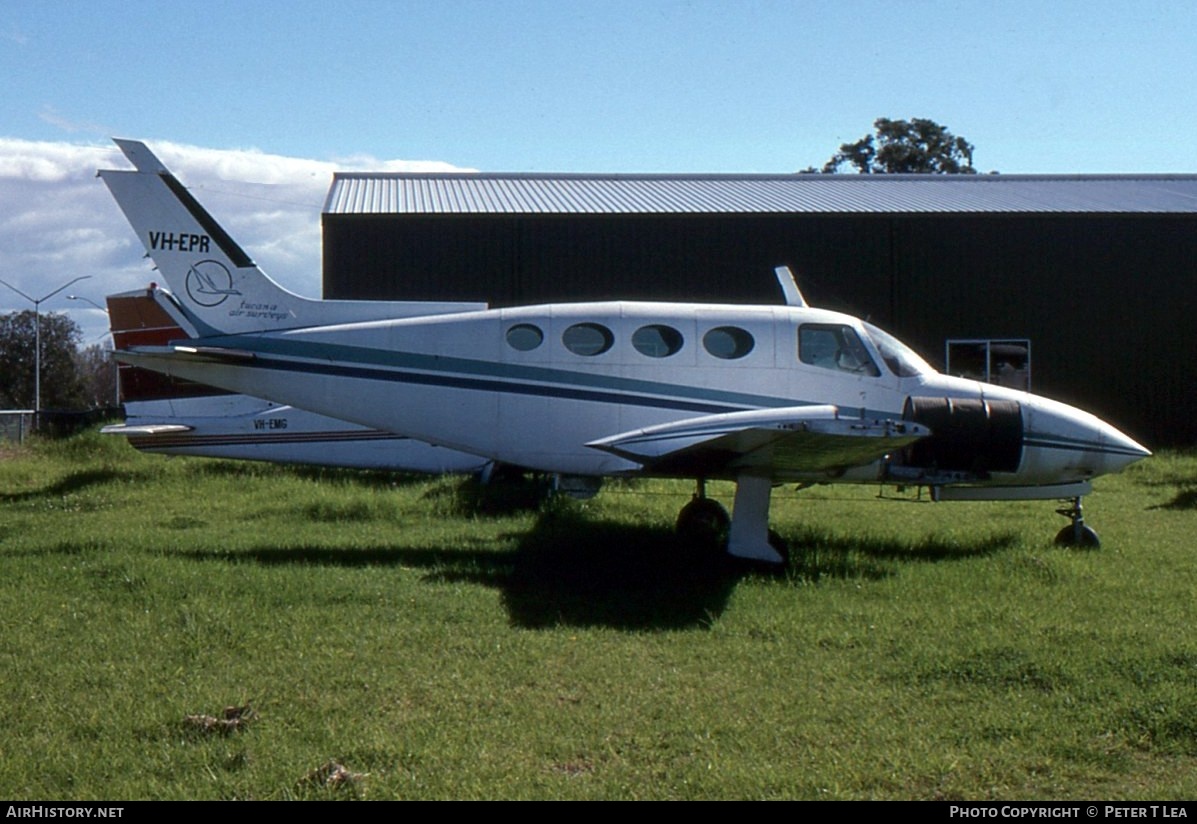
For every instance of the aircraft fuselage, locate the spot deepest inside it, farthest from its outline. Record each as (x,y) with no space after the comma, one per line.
(532,386)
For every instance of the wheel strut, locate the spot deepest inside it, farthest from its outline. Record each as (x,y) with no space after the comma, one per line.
(1076,533)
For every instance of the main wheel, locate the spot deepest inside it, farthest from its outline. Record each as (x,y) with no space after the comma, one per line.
(703,523)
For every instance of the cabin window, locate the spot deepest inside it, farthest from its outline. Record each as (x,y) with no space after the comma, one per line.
(728,342)
(657,341)
(588,339)
(524,337)
(831,346)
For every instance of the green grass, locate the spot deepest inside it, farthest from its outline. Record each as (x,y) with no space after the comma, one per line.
(450,642)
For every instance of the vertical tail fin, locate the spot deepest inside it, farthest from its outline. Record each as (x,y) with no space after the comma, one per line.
(216,284)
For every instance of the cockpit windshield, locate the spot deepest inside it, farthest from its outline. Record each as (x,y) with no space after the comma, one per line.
(899,357)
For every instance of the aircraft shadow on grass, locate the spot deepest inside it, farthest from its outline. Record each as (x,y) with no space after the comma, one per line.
(1178,484)
(572,570)
(79,481)
(74,482)
(1184,499)
(367,478)
(576,570)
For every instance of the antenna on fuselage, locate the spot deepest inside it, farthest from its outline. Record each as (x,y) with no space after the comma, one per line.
(789,286)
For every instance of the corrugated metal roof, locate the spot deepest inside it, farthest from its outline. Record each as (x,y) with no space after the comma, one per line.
(468,193)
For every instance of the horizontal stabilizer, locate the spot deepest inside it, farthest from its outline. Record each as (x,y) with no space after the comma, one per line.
(148,355)
(143,430)
(779,442)
(215,353)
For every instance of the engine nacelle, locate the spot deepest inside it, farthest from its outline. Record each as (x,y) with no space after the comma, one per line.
(978,437)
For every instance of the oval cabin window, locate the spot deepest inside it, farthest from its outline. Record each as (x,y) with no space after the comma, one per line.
(524,337)
(588,339)
(657,341)
(728,342)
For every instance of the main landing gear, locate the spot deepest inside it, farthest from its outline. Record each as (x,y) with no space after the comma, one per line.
(704,523)
(1076,533)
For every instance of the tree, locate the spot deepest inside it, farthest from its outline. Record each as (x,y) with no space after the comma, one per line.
(61,384)
(917,146)
(97,371)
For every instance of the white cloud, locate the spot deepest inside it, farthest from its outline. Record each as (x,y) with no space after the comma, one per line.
(48,114)
(58,221)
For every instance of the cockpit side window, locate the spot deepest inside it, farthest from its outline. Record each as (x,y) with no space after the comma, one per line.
(833,346)
(899,357)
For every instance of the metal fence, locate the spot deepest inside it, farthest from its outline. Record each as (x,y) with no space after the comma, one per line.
(15,424)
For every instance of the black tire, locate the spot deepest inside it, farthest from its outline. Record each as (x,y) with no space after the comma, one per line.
(1078,536)
(703,524)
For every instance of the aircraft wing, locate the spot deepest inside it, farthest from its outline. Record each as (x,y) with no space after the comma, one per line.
(784,442)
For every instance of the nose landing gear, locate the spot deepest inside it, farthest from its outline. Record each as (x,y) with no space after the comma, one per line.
(1076,533)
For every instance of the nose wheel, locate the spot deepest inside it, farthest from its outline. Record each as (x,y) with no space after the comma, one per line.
(1076,533)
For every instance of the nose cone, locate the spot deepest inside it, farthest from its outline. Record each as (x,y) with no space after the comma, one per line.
(1064,443)
(1124,450)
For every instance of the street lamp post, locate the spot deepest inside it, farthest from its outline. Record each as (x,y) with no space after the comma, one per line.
(37,341)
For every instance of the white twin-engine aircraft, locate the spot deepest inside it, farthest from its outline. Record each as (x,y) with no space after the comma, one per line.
(759,395)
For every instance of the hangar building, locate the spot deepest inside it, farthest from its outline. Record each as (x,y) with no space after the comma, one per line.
(1080,286)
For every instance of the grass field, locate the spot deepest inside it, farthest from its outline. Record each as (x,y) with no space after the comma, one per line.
(441,641)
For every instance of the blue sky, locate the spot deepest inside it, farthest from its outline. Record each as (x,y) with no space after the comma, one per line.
(610,85)
(256,104)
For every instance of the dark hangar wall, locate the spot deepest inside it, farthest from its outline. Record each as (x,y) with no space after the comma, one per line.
(539,259)
(1105,302)
(1104,299)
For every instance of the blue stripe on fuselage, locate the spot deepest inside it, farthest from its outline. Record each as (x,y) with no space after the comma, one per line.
(482,375)
(512,387)
(1076,445)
